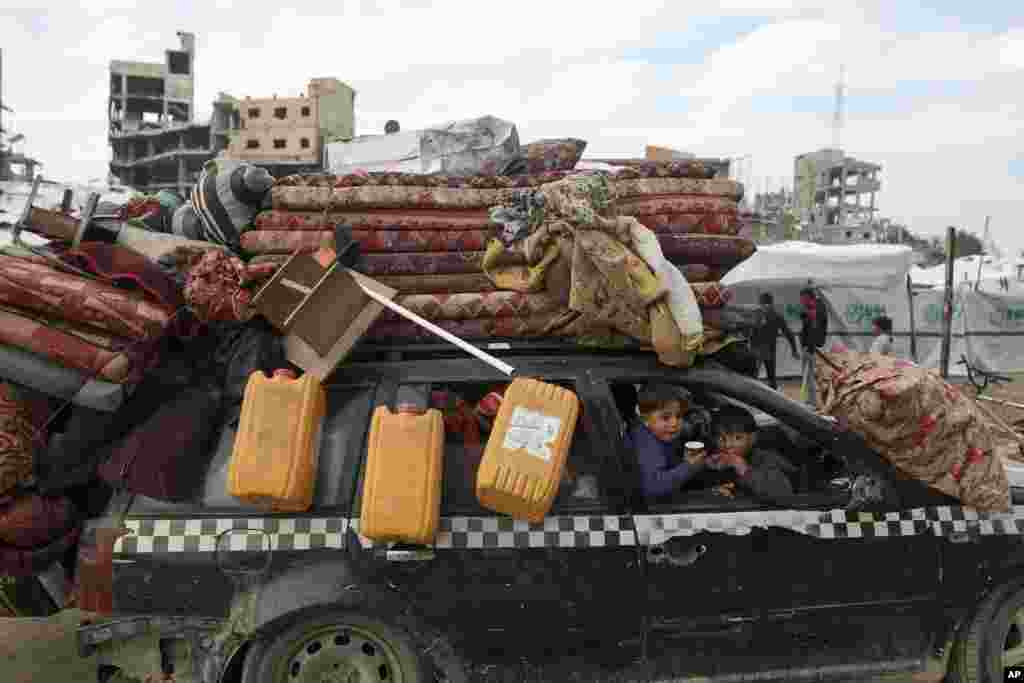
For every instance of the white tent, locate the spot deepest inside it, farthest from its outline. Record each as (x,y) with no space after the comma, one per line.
(993,274)
(871,266)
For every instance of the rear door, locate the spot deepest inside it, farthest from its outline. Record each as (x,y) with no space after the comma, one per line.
(511,586)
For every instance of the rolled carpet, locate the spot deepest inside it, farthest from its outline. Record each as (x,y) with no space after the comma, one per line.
(674,204)
(724,223)
(39,287)
(44,375)
(381,219)
(377,197)
(72,350)
(648,187)
(712,250)
(734,317)
(287,241)
(474,305)
(438,284)
(548,324)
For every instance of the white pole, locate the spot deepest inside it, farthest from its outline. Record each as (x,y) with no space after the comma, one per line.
(447,336)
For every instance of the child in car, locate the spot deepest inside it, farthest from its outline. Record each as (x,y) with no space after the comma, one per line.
(739,463)
(666,421)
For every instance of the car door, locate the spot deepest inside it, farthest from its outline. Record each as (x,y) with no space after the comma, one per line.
(505,584)
(693,550)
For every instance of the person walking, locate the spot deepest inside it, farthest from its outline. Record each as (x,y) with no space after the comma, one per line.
(764,340)
(813,331)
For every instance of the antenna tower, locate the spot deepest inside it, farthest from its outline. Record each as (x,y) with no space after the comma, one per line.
(837,115)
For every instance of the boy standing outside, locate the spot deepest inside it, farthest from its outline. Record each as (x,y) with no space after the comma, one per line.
(882,327)
(765,339)
(812,337)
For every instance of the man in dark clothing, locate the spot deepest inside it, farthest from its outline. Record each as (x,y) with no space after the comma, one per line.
(812,337)
(765,339)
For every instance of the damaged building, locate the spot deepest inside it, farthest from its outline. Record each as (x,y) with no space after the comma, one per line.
(155,142)
(836,196)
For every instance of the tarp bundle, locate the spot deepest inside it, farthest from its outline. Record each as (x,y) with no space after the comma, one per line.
(923,425)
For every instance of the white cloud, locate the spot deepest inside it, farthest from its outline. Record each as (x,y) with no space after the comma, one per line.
(554,69)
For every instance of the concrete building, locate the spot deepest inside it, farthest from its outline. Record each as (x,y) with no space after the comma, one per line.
(293,130)
(835,197)
(156,143)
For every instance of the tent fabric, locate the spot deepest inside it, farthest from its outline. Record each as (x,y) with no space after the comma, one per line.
(870,266)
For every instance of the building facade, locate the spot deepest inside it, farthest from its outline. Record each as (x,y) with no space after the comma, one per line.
(294,130)
(835,197)
(155,142)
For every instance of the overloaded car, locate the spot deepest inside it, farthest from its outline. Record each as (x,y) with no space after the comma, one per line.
(831,582)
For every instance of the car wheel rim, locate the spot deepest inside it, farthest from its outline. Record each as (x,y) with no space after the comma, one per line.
(1013,644)
(342,654)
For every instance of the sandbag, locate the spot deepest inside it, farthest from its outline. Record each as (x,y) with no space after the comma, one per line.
(923,425)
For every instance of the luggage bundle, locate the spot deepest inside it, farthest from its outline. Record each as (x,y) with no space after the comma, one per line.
(925,426)
(449,244)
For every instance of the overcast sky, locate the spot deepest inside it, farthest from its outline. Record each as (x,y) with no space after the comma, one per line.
(934,95)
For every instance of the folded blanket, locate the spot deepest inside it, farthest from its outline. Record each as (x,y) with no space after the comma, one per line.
(698,272)
(287,241)
(674,204)
(711,250)
(380,219)
(474,305)
(420,180)
(723,223)
(73,348)
(46,376)
(31,285)
(646,187)
(546,324)
(358,198)
(438,284)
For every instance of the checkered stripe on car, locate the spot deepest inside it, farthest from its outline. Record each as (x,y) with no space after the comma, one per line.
(836,524)
(575,531)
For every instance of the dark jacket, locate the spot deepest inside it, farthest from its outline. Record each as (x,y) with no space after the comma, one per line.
(813,333)
(764,338)
(767,479)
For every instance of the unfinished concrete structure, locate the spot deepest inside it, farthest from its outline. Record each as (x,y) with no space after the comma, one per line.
(835,197)
(279,131)
(156,144)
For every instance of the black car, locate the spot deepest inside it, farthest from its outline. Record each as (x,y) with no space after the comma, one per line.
(833,584)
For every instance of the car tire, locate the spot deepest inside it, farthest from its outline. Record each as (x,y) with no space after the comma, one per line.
(977,655)
(347,646)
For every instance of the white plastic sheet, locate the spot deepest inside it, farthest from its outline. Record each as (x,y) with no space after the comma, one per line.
(481,145)
(872,266)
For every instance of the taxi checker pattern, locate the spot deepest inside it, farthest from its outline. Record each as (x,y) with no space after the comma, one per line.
(568,531)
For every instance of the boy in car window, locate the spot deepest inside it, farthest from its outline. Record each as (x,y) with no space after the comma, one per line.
(739,463)
(666,421)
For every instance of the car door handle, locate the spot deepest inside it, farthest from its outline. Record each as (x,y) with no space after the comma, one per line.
(405,554)
(675,554)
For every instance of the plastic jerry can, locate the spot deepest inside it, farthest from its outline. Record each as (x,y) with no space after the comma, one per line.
(277,449)
(522,465)
(404,465)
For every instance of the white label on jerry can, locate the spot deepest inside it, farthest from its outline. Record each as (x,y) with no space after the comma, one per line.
(532,432)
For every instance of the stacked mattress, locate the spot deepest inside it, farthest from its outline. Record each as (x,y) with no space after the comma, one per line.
(428,236)
(79,338)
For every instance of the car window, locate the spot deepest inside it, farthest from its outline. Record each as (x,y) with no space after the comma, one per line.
(342,442)
(468,427)
(814,473)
